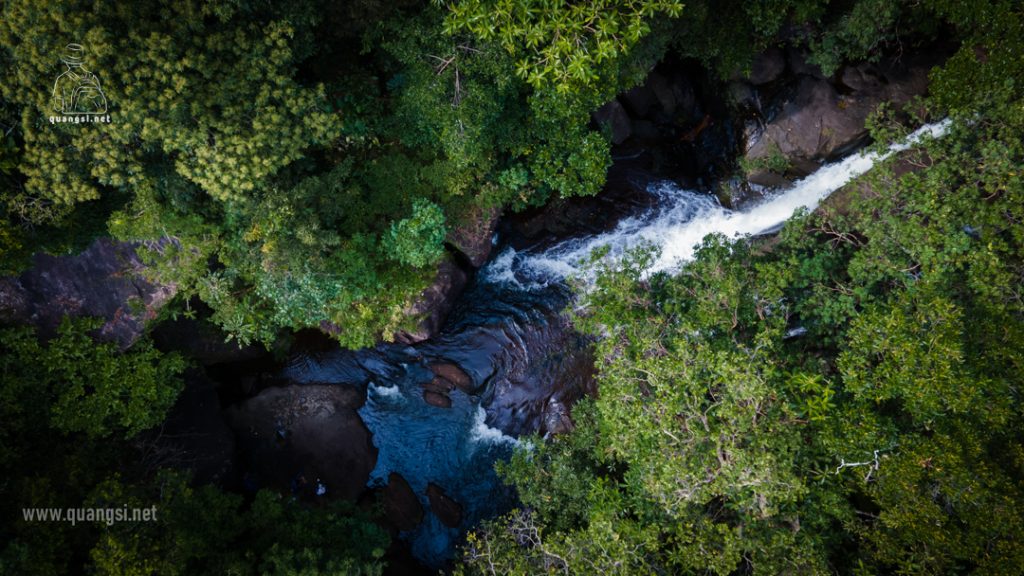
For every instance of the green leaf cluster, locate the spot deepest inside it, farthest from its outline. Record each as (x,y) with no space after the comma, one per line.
(559,45)
(882,437)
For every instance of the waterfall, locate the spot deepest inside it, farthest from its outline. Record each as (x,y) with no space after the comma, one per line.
(680,219)
(526,363)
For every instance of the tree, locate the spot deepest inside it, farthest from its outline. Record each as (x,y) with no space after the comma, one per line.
(886,439)
(207,531)
(559,45)
(91,387)
(211,96)
(69,406)
(417,240)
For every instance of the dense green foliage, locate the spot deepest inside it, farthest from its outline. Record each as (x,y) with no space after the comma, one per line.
(89,387)
(207,531)
(309,160)
(296,200)
(78,419)
(885,439)
(67,406)
(563,47)
(290,168)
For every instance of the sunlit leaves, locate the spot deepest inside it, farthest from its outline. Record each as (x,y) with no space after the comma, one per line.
(561,44)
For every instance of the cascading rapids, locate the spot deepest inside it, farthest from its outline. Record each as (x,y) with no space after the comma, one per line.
(507,334)
(682,218)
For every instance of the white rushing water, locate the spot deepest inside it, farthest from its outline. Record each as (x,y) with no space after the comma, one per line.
(682,218)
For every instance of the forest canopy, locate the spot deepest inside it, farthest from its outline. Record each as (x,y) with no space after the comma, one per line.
(841,397)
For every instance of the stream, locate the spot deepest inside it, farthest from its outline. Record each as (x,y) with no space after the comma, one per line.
(527,365)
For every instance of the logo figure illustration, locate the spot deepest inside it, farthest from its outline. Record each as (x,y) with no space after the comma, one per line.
(77,91)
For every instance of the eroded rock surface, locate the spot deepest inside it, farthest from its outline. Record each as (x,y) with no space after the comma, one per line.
(104,281)
(472,236)
(293,436)
(447,510)
(435,302)
(820,119)
(401,505)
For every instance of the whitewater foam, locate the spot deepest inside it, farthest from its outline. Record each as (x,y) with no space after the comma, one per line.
(392,392)
(682,218)
(482,433)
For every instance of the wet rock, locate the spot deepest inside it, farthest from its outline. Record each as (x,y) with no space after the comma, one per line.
(799,66)
(555,419)
(437,399)
(434,303)
(439,384)
(615,117)
(294,435)
(639,101)
(401,505)
(768,67)
(674,93)
(472,236)
(447,510)
(546,365)
(104,281)
(452,373)
(437,392)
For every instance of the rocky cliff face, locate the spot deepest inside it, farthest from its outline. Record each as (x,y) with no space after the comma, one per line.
(782,120)
(797,118)
(104,281)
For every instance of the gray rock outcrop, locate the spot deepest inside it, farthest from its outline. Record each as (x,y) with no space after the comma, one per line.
(104,281)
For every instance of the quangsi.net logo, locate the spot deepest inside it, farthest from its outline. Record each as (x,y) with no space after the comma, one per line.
(74,516)
(77,94)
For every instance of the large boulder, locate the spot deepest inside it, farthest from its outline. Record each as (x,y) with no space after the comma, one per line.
(401,506)
(435,302)
(104,281)
(813,125)
(447,510)
(822,121)
(296,437)
(472,236)
(614,116)
(768,67)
